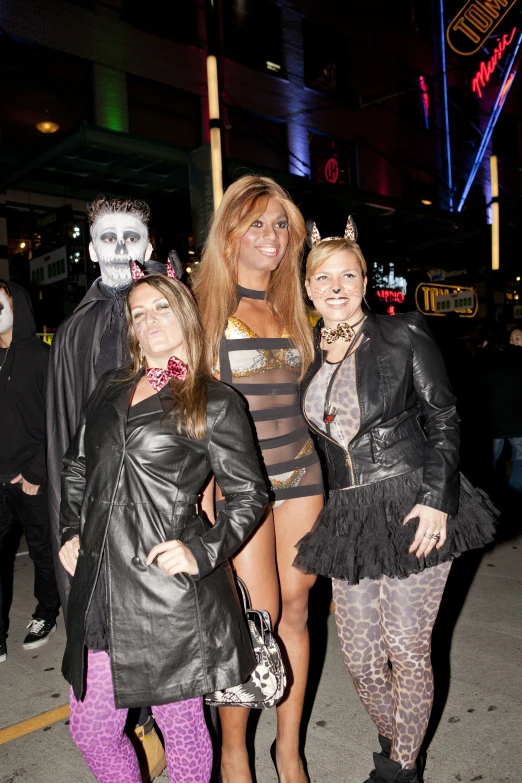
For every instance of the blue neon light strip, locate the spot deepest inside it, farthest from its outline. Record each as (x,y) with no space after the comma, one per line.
(445,102)
(486,136)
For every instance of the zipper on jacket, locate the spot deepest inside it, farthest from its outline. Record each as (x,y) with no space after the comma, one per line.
(348,455)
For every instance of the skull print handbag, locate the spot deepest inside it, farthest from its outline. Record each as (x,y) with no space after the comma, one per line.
(266,685)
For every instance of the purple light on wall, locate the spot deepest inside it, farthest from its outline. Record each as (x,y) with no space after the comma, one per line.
(425,100)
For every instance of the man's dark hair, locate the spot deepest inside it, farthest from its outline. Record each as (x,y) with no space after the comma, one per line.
(4,286)
(105,205)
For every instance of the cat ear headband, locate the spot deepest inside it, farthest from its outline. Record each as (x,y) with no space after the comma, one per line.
(314,237)
(174,269)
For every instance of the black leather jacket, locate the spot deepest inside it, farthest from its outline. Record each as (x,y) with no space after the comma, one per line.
(407,408)
(171,637)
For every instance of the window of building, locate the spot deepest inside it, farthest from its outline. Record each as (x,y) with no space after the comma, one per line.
(257,140)
(253,34)
(326,59)
(160,112)
(332,161)
(175,21)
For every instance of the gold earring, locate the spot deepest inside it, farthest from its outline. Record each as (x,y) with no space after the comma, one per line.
(141,355)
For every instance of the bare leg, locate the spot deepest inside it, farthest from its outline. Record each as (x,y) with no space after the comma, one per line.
(255,564)
(293,520)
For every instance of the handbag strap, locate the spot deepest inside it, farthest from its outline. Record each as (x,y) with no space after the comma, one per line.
(244,595)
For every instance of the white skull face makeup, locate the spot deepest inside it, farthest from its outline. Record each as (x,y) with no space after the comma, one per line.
(117,239)
(6,312)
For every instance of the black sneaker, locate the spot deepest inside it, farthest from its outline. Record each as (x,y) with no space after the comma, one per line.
(3,652)
(39,633)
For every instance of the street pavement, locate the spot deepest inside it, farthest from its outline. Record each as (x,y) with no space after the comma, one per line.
(476,727)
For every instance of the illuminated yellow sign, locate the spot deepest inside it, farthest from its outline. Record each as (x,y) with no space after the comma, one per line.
(474,23)
(47,337)
(428,299)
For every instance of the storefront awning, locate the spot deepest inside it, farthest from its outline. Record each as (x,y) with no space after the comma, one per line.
(94,159)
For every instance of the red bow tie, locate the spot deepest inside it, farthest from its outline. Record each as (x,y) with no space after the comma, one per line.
(159,378)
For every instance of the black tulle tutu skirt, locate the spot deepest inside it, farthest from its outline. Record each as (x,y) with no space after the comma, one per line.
(359,533)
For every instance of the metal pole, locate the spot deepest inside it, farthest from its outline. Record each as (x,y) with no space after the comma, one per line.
(446,131)
(495,228)
(214,99)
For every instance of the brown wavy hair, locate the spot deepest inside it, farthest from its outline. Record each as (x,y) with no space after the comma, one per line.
(190,395)
(215,284)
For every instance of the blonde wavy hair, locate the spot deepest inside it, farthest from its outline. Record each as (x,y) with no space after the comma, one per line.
(215,284)
(190,395)
(324,250)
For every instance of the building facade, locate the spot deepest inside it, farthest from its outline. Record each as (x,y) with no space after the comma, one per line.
(345,104)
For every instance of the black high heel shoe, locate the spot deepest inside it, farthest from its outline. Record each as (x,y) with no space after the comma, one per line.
(273,755)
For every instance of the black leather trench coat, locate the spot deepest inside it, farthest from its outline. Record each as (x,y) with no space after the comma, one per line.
(170,638)
(408,414)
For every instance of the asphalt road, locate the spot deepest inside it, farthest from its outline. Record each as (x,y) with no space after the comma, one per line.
(476,721)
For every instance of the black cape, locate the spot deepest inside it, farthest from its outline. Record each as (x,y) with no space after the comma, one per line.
(71,380)
(73,375)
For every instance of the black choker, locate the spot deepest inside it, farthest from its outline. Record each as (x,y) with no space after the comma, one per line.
(249,293)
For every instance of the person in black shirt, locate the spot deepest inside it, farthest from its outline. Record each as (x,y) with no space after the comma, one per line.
(23,488)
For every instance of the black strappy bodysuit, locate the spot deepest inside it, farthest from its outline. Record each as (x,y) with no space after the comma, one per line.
(265,371)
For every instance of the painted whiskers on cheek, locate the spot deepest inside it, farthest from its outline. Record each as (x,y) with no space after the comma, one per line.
(347,291)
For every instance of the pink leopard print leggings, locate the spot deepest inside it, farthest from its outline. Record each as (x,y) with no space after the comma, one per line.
(97,728)
(385,626)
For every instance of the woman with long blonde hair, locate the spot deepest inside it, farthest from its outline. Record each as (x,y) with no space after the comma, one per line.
(259,341)
(150,576)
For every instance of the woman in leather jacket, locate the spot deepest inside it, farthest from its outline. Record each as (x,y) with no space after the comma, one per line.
(378,398)
(154,617)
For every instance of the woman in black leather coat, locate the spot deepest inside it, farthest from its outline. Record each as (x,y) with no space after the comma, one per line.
(153,617)
(378,398)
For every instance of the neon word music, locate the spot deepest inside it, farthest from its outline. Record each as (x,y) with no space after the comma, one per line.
(386,295)
(486,69)
(474,24)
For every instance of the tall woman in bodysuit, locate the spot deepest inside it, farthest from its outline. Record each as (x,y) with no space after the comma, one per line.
(259,340)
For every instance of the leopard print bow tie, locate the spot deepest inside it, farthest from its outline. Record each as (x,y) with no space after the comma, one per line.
(159,378)
(342,331)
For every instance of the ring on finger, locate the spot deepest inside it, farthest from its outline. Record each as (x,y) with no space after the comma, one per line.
(435,536)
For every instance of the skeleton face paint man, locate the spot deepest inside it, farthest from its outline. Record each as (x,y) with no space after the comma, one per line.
(117,239)
(6,312)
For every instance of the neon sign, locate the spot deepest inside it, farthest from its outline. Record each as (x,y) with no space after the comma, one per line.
(331,170)
(474,23)
(493,117)
(505,89)
(487,69)
(429,299)
(386,295)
